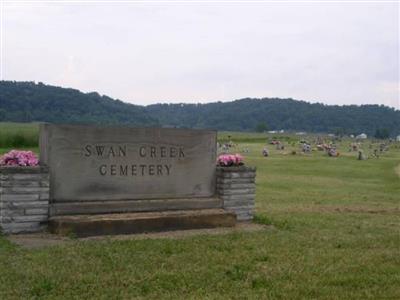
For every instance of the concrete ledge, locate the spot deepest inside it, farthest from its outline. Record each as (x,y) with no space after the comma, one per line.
(103,207)
(111,224)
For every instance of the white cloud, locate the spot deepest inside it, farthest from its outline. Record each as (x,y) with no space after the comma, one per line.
(146,53)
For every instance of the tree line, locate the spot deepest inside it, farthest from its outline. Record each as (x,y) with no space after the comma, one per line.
(38,102)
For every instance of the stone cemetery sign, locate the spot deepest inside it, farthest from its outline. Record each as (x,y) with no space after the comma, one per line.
(108,180)
(90,163)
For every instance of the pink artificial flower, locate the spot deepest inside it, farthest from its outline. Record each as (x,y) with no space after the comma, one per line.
(19,158)
(230,160)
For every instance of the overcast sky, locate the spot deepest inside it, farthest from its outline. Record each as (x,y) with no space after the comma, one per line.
(335,53)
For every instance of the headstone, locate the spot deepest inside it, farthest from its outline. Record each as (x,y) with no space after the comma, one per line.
(332,152)
(265,152)
(306,148)
(361,155)
(280,146)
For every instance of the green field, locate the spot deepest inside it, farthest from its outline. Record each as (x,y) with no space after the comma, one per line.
(18,135)
(334,234)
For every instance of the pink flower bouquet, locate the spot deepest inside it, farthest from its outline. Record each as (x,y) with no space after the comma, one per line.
(19,158)
(225,160)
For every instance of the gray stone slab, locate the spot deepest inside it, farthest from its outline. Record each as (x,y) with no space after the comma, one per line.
(24,190)
(221,180)
(25,204)
(235,186)
(238,175)
(244,217)
(32,218)
(23,170)
(237,191)
(45,183)
(26,177)
(21,227)
(110,224)
(19,197)
(236,169)
(238,197)
(5,212)
(19,183)
(243,213)
(36,211)
(44,196)
(239,202)
(101,207)
(242,208)
(90,163)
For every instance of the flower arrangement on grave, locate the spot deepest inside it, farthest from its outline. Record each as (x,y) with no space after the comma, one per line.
(19,158)
(228,160)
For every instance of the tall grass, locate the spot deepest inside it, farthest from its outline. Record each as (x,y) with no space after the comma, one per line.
(19,135)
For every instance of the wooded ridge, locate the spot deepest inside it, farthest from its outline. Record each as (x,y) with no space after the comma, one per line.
(29,102)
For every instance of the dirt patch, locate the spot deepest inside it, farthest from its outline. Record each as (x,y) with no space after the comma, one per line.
(41,240)
(367,210)
(345,209)
(37,240)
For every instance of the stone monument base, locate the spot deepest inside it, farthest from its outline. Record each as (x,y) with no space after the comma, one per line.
(24,199)
(128,223)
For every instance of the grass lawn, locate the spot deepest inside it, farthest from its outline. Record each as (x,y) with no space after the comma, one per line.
(335,235)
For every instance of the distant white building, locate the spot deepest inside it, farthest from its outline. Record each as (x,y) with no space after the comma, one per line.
(276,131)
(300,133)
(361,136)
(352,136)
(398,138)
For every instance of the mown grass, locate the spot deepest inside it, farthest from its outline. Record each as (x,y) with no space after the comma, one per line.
(333,234)
(255,137)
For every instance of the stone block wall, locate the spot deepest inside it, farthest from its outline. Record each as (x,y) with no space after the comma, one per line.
(24,199)
(236,187)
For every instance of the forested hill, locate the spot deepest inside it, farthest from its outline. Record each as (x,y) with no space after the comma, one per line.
(275,114)
(27,101)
